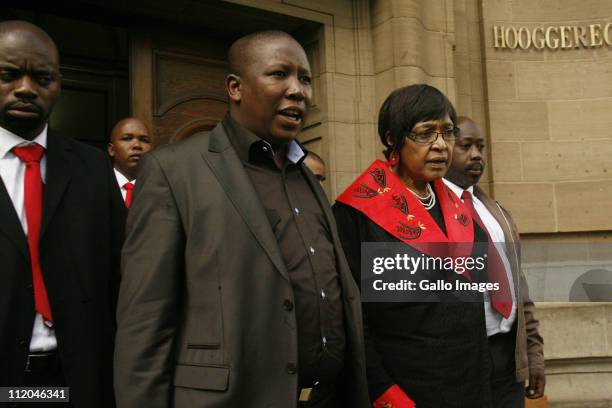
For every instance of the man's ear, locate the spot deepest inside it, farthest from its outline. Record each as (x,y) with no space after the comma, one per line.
(110,148)
(233,86)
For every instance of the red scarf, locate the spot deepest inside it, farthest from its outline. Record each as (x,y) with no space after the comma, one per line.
(382,197)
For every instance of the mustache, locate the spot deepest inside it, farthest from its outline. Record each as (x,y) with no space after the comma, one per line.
(475,166)
(21,104)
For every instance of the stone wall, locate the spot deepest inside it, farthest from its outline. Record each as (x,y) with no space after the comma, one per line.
(578,351)
(549,118)
(550,137)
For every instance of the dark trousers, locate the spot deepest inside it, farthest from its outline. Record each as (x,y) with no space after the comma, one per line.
(506,392)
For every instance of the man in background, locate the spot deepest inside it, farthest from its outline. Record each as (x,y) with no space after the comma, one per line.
(60,234)
(515,345)
(316,165)
(129,140)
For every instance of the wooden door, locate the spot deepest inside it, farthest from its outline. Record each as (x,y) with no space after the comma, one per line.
(177,82)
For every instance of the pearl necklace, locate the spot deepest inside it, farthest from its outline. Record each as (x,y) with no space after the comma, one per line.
(428,201)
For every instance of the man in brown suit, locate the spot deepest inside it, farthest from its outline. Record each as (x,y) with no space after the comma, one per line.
(515,346)
(235,290)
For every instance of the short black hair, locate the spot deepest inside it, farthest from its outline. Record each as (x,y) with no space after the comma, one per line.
(316,157)
(407,106)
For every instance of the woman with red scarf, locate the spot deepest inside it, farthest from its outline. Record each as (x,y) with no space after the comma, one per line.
(429,353)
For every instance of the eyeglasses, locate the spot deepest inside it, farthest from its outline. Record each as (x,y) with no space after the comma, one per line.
(430,136)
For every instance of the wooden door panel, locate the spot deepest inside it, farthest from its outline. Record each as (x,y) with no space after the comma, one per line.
(188,117)
(189,94)
(178,83)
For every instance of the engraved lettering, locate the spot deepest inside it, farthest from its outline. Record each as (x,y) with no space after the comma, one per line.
(524,38)
(595,30)
(498,35)
(565,39)
(538,43)
(552,43)
(606,33)
(514,43)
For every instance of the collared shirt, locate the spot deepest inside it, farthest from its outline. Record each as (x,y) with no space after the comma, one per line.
(12,171)
(121,180)
(303,235)
(496,323)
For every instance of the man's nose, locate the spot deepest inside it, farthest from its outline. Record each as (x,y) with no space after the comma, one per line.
(296,89)
(26,88)
(475,154)
(137,145)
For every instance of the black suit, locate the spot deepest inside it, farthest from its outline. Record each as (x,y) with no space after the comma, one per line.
(81,235)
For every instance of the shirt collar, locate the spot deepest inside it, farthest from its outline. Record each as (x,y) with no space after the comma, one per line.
(458,190)
(246,142)
(8,140)
(121,179)
(295,152)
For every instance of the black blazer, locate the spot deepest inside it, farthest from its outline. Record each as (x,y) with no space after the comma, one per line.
(81,236)
(436,351)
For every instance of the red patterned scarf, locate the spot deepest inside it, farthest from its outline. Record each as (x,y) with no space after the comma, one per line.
(382,197)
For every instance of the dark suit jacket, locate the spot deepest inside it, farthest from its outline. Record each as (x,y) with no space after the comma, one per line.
(82,230)
(202,317)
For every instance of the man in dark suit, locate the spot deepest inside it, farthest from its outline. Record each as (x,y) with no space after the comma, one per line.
(515,345)
(235,290)
(60,234)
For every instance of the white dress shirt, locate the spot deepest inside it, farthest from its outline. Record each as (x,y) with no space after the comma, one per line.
(121,180)
(12,171)
(496,323)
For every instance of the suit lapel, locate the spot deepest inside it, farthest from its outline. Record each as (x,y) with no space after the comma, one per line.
(10,224)
(228,169)
(59,164)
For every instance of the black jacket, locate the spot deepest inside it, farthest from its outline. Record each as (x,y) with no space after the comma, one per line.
(435,351)
(81,236)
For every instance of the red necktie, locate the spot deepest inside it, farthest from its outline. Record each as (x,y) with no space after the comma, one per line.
(129,186)
(496,269)
(33,197)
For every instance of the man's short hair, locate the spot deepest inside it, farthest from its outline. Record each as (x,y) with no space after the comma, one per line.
(33,31)
(315,157)
(242,52)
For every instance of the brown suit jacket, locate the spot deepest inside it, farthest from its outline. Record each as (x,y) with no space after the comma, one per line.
(202,317)
(529,354)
